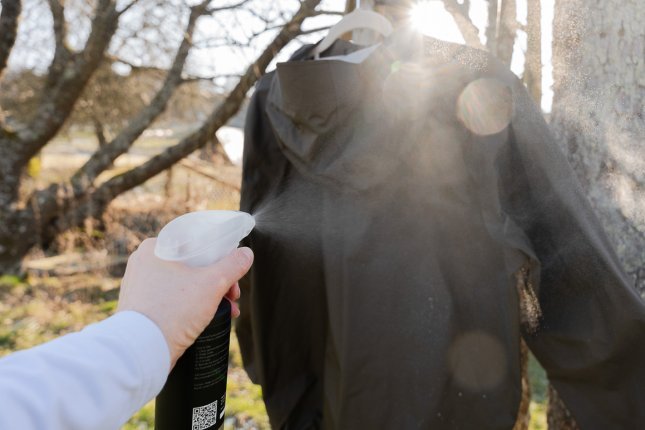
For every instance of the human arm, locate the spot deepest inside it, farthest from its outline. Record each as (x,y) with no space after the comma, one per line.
(97,378)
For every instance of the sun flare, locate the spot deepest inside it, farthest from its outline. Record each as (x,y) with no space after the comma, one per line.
(432,19)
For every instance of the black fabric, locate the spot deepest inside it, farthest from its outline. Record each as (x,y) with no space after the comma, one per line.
(397,200)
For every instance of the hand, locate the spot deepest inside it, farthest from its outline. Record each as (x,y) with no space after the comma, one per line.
(181,300)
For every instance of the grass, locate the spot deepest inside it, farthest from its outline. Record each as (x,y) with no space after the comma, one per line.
(38,309)
(538,416)
(538,379)
(539,384)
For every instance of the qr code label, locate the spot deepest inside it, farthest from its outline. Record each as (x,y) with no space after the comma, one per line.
(205,416)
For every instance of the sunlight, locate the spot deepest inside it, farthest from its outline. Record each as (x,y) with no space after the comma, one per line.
(432,19)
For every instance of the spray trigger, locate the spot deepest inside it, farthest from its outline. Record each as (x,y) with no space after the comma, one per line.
(203,237)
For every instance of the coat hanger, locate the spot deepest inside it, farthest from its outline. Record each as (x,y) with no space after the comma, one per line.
(357,19)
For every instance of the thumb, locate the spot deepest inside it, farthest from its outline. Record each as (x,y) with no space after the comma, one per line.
(229,270)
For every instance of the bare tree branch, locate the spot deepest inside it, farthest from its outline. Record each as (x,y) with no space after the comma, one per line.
(328,12)
(107,191)
(465,25)
(134,67)
(103,158)
(464,8)
(49,212)
(100,132)
(220,42)
(213,10)
(269,26)
(8,29)
(128,6)
(261,17)
(61,94)
(190,79)
(58,15)
(314,30)
(62,54)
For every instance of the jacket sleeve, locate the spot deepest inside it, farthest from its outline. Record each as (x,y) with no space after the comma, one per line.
(591,335)
(257,178)
(93,379)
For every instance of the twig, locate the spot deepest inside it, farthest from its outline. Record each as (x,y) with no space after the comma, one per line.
(228,7)
(314,30)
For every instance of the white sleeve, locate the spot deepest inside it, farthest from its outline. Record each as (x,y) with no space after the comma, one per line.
(94,379)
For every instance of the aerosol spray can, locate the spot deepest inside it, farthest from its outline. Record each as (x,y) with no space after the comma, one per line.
(195,393)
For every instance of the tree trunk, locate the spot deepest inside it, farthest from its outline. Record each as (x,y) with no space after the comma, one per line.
(11,167)
(8,29)
(18,234)
(532,78)
(11,163)
(599,74)
(68,74)
(558,416)
(506,31)
(58,208)
(533,61)
(491,27)
(523,413)
(467,28)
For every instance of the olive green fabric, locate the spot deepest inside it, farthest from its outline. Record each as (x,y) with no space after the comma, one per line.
(397,200)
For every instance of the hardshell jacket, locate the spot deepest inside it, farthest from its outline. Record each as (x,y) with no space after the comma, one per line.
(415,219)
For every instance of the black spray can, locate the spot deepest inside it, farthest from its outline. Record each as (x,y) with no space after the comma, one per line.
(195,393)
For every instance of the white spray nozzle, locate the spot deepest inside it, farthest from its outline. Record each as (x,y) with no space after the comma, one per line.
(204,237)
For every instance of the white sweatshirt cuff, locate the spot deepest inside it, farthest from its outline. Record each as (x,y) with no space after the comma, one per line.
(147,344)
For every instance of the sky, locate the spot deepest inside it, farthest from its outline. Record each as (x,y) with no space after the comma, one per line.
(34,47)
(428,16)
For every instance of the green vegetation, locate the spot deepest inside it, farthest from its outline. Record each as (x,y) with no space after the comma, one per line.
(9,281)
(538,416)
(539,384)
(244,403)
(538,379)
(38,309)
(142,420)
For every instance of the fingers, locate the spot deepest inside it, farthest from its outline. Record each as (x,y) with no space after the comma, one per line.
(230,269)
(234,292)
(235,309)
(148,245)
(232,295)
